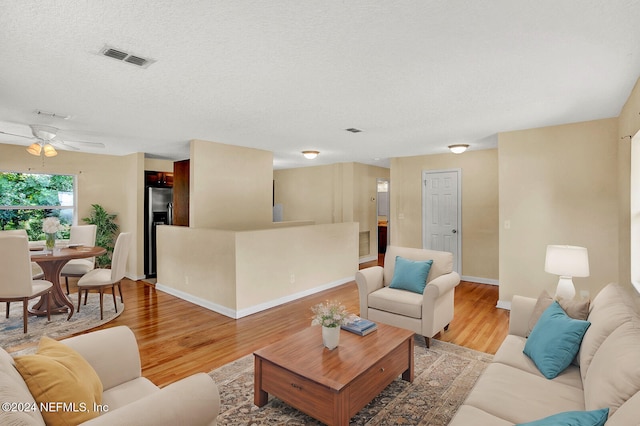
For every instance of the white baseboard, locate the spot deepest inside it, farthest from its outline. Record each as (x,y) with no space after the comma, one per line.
(136,277)
(235,314)
(480,280)
(503,304)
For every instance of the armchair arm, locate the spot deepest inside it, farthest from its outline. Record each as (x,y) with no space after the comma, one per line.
(521,310)
(368,281)
(112,352)
(437,303)
(194,400)
(441,285)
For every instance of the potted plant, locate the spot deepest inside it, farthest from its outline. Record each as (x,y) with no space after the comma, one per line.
(331,315)
(106,232)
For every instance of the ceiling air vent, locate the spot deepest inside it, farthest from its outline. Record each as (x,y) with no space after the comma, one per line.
(121,55)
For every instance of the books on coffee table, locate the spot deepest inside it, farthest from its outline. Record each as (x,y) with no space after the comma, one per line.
(361,326)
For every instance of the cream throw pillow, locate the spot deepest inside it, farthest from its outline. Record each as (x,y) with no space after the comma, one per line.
(62,380)
(575,309)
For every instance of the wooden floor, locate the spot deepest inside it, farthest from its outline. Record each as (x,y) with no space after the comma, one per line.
(178,338)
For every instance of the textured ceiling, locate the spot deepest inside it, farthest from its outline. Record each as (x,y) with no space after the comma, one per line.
(286,76)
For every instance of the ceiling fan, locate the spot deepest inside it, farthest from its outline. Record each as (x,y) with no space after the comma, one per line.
(46,139)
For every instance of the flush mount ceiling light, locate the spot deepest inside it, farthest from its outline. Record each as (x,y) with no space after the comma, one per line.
(310,155)
(458,148)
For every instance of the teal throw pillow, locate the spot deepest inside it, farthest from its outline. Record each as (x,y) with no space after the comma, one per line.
(555,340)
(573,418)
(410,275)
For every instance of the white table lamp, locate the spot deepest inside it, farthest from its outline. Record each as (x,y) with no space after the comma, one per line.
(568,262)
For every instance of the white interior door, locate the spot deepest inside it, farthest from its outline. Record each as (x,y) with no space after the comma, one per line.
(441,213)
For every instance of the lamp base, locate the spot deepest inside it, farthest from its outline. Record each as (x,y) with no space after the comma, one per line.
(565,289)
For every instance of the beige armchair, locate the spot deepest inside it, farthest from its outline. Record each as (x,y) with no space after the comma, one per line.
(426,314)
(133,399)
(127,397)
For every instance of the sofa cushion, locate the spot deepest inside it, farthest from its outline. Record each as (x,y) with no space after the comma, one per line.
(411,275)
(518,396)
(627,414)
(555,340)
(511,353)
(401,302)
(468,415)
(58,374)
(128,392)
(13,390)
(614,374)
(576,309)
(611,308)
(573,418)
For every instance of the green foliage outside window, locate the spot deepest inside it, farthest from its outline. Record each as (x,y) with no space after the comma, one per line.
(30,191)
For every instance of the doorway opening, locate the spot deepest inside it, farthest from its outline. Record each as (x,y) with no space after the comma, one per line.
(383,214)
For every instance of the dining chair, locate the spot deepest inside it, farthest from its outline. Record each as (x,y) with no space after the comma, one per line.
(85,235)
(99,279)
(36,271)
(16,284)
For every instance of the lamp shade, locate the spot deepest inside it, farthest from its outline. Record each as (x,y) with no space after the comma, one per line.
(567,261)
(49,150)
(310,154)
(34,148)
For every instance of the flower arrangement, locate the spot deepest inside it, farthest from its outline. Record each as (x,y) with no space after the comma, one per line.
(51,225)
(331,314)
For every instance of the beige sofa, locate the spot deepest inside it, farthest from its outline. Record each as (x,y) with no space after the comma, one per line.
(131,399)
(607,374)
(426,314)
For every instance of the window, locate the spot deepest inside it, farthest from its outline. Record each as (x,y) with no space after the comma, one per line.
(26,199)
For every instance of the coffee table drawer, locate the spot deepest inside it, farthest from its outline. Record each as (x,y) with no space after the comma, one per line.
(307,396)
(369,385)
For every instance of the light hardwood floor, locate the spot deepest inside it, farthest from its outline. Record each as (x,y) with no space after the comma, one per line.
(177,338)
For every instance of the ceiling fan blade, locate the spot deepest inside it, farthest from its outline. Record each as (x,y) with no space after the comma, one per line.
(80,143)
(14,134)
(60,144)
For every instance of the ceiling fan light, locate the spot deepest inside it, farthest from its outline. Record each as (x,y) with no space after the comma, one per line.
(49,150)
(34,149)
(458,148)
(310,155)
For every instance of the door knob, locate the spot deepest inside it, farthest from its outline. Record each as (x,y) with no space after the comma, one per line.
(454,231)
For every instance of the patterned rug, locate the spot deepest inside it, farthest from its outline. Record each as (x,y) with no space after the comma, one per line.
(12,339)
(444,376)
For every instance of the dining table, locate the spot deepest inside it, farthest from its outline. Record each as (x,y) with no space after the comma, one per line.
(52,262)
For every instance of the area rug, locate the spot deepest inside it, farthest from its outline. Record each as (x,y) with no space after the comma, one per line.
(444,376)
(12,339)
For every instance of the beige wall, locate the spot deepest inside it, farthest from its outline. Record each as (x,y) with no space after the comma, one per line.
(230,186)
(198,263)
(306,193)
(240,273)
(342,192)
(116,183)
(158,165)
(479,206)
(558,185)
(628,126)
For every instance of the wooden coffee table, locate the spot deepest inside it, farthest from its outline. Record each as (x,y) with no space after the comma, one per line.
(332,386)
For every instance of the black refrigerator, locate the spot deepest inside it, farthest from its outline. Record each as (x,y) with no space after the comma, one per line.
(158,211)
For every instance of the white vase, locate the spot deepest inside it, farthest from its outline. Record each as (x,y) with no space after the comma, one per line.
(330,337)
